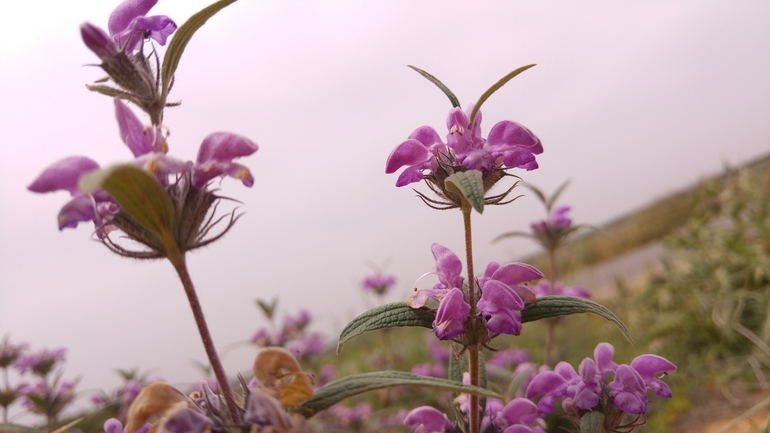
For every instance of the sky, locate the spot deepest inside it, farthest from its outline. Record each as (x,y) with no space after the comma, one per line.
(631,100)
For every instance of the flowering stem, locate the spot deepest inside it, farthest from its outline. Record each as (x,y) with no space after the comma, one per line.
(551,291)
(177,259)
(473,349)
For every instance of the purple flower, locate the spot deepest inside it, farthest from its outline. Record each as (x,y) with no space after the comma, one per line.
(64,175)
(451,316)
(580,392)
(9,353)
(650,365)
(556,223)
(448,269)
(98,41)
(503,297)
(543,288)
(509,358)
(45,399)
(128,24)
(508,145)
(426,419)
(265,411)
(215,158)
(519,416)
(41,363)
(378,283)
(113,425)
(306,345)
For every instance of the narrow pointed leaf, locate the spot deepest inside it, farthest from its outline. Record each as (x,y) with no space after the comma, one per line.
(138,193)
(555,196)
(538,193)
(397,314)
(349,386)
(553,306)
(452,98)
(512,234)
(182,36)
(470,185)
(494,89)
(591,422)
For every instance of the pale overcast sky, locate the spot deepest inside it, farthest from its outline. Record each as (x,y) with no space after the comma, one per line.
(632,100)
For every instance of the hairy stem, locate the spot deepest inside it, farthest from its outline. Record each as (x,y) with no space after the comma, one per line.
(177,259)
(473,349)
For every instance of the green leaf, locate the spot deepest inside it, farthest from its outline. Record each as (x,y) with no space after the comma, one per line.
(555,196)
(512,234)
(494,89)
(452,98)
(554,306)
(397,314)
(182,36)
(591,422)
(10,427)
(138,193)
(470,185)
(353,385)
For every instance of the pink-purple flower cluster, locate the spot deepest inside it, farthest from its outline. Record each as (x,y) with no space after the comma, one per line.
(128,26)
(582,390)
(378,283)
(508,145)
(215,158)
(503,295)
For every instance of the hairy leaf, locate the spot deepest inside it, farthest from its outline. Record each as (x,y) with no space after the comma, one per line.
(591,422)
(138,193)
(397,314)
(470,185)
(553,306)
(360,383)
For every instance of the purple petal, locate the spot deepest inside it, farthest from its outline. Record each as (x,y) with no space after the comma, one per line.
(204,173)
(140,140)
(79,209)
(497,295)
(184,420)
(112,425)
(98,41)
(518,157)
(514,274)
(63,175)
(517,411)
(548,383)
(586,398)
(504,322)
(603,356)
(427,136)
(506,135)
(448,267)
(648,366)
(224,147)
(457,123)
(410,153)
(451,316)
(419,298)
(124,13)
(628,390)
(160,27)
(265,411)
(410,175)
(426,419)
